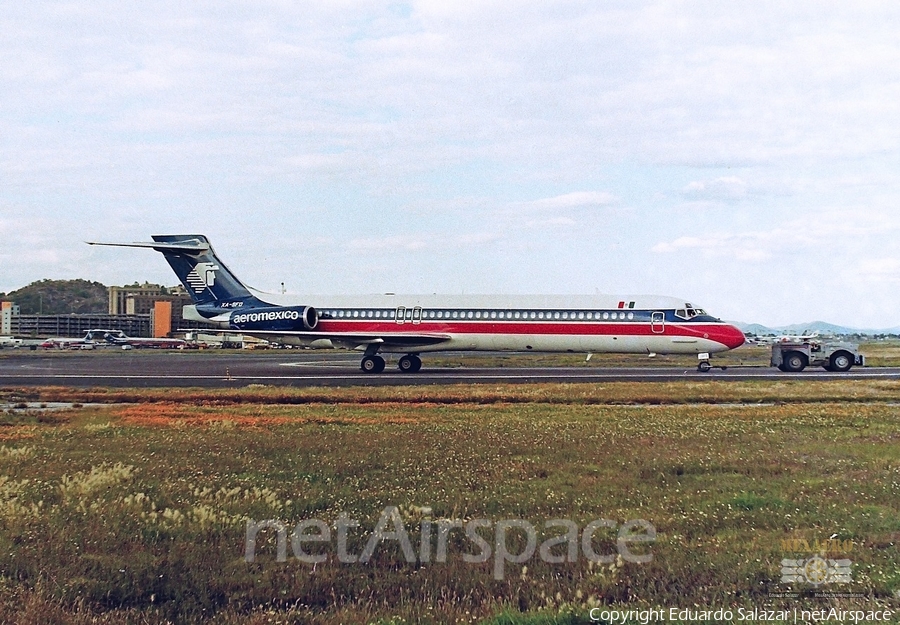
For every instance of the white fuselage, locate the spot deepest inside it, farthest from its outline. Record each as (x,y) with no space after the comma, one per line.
(550,323)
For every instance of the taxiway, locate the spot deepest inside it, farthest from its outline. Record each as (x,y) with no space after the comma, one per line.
(215,370)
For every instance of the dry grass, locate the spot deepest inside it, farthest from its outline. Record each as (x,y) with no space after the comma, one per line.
(134,511)
(681,392)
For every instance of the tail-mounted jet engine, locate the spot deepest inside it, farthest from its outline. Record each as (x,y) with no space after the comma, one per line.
(275,318)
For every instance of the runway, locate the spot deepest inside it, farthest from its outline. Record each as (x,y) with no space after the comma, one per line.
(309,368)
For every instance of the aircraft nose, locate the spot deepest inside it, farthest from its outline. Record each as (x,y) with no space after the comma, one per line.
(731,337)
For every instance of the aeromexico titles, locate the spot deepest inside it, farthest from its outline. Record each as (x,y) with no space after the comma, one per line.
(414,324)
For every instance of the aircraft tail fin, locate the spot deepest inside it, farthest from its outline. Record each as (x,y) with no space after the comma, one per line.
(204,276)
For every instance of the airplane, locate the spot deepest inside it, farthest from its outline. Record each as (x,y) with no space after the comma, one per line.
(416,324)
(118,337)
(66,342)
(809,335)
(9,341)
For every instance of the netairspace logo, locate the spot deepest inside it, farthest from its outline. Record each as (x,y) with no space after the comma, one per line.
(816,571)
(435,540)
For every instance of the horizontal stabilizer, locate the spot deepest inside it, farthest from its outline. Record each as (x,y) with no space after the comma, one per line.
(192,245)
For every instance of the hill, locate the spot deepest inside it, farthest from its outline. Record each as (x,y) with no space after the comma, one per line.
(828,329)
(58,297)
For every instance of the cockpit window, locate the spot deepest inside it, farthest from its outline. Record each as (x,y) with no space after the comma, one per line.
(689,313)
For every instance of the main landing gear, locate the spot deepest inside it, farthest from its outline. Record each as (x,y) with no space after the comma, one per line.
(410,363)
(373,363)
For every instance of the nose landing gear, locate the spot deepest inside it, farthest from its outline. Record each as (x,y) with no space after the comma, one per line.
(704,365)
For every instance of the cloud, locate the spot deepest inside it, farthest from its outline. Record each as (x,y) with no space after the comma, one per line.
(419,242)
(578,199)
(750,247)
(724,189)
(550,223)
(390,243)
(876,270)
(824,235)
(555,89)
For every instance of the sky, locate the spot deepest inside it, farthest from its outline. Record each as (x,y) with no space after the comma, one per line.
(742,156)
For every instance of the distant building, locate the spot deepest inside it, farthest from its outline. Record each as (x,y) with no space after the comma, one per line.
(139,299)
(161,319)
(43,326)
(7,310)
(147,310)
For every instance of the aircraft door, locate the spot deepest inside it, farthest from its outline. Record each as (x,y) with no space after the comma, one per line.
(658,322)
(417,314)
(401,314)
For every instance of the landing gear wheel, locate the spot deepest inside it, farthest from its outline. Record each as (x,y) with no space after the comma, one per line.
(840,361)
(372,364)
(794,362)
(704,366)
(410,363)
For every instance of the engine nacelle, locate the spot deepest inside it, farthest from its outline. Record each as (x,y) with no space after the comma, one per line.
(279,318)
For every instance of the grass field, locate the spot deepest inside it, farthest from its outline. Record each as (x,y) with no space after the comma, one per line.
(132,506)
